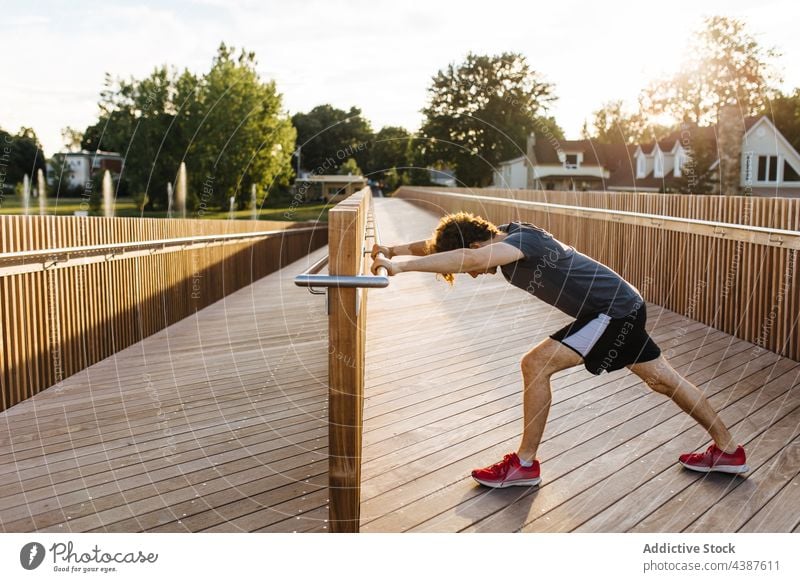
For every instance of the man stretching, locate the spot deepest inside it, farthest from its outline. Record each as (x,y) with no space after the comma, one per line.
(608,332)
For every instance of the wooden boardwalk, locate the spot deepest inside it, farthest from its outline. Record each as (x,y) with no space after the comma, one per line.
(217,423)
(443,396)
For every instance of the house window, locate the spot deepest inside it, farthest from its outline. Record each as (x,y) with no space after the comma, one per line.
(640,167)
(658,167)
(789,173)
(571,161)
(767,168)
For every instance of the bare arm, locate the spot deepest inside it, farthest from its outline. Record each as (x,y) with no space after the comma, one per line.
(457,261)
(417,248)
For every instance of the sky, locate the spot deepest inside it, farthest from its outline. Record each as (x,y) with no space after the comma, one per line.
(377,55)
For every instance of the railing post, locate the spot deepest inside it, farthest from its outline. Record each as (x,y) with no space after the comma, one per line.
(345,367)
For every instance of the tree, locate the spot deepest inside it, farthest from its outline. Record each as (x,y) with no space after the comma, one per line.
(73,138)
(145,120)
(61,174)
(328,136)
(227,125)
(393,179)
(696,174)
(349,168)
(243,137)
(418,174)
(784,112)
(389,151)
(547,128)
(22,154)
(612,124)
(728,66)
(480,113)
(96,193)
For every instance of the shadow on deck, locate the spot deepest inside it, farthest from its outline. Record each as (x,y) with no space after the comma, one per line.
(443,396)
(217,423)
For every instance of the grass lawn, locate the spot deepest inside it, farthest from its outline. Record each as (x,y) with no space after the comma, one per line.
(276,210)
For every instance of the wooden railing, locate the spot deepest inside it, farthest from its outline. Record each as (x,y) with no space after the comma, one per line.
(728,262)
(106,283)
(780,213)
(350,243)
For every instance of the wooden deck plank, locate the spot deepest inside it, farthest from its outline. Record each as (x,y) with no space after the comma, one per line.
(780,514)
(587,401)
(224,406)
(645,495)
(202,446)
(182,428)
(689,493)
(429,423)
(614,442)
(566,415)
(760,487)
(139,483)
(437,477)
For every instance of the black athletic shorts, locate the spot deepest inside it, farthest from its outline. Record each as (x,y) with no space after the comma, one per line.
(608,344)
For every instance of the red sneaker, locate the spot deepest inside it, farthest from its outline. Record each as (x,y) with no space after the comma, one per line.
(508,473)
(714,459)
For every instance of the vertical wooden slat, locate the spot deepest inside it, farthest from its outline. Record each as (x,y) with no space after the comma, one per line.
(5,328)
(57,322)
(17,344)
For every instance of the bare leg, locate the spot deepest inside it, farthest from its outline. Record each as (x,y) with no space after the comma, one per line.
(538,366)
(659,375)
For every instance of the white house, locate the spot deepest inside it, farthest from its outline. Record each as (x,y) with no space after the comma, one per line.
(770,166)
(552,164)
(84,164)
(511,174)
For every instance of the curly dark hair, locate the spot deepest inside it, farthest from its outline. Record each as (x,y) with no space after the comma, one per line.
(459,231)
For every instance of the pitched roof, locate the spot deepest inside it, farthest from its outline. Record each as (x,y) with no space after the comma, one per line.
(513,161)
(689,132)
(620,163)
(546,153)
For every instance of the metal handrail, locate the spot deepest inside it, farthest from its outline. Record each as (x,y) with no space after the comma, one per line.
(42,259)
(738,232)
(309,278)
(145,244)
(342,281)
(317,267)
(313,270)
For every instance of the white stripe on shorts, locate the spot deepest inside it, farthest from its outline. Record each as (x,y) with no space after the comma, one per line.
(583,340)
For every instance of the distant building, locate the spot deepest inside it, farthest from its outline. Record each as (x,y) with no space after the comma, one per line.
(752,156)
(328,187)
(84,165)
(553,164)
(442,177)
